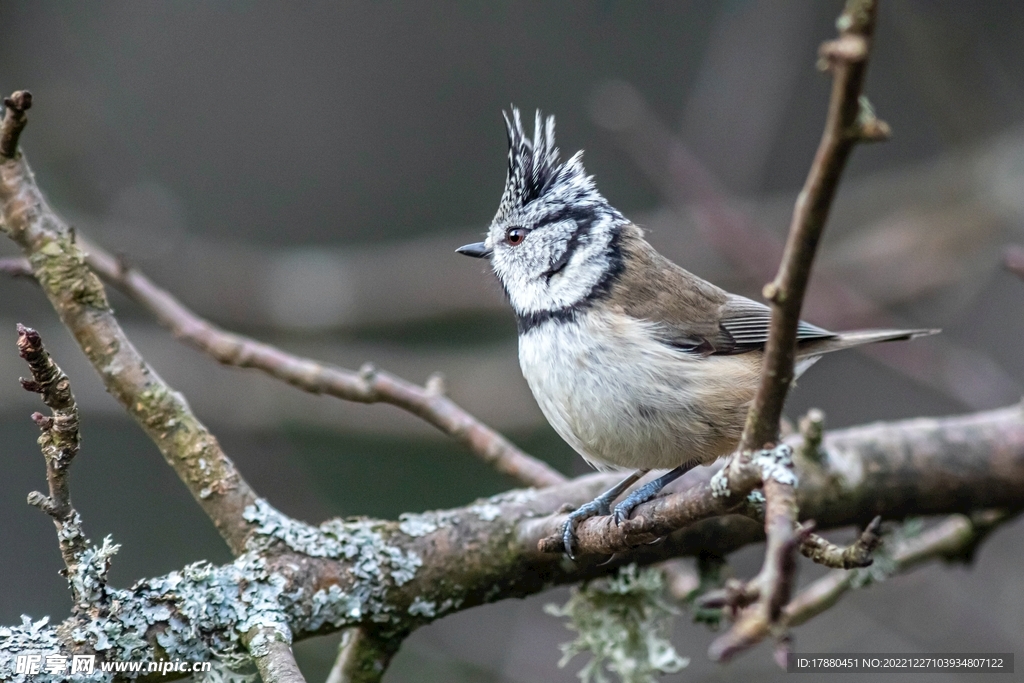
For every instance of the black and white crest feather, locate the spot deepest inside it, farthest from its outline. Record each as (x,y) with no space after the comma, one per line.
(534,165)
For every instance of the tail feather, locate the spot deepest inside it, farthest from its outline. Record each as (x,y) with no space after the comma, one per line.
(848,340)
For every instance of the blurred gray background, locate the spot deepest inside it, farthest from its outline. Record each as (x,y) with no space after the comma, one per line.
(303,173)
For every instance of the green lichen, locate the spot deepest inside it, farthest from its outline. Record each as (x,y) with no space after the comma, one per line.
(624,621)
(60,267)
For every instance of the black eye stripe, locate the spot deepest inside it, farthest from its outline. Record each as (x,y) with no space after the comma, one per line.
(583,225)
(578,214)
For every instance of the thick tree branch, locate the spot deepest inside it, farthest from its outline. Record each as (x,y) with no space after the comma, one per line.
(369,385)
(79,299)
(904,468)
(392,577)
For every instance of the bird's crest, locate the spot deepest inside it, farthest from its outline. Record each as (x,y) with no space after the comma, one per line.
(534,165)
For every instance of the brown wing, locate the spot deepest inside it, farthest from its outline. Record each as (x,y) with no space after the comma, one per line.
(693,314)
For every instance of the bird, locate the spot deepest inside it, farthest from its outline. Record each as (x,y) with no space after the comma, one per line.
(635,362)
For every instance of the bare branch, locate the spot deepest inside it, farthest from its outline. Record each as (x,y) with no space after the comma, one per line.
(843,129)
(273,656)
(363,657)
(952,538)
(857,554)
(79,299)
(59,442)
(16,267)
(850,119)
(731,229)
(369,385)
(14,122)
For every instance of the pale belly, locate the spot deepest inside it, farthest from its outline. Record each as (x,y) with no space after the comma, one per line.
(622,400)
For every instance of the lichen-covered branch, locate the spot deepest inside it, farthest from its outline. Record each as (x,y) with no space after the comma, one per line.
(393,576)
(879,464)
(59,442)
(370,385)
(77,295)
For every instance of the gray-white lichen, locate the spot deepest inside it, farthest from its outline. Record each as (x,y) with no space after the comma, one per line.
(203,611)
(488,512)
(720,484)
(756,499)
(777,464)
(624,622)
(416,525)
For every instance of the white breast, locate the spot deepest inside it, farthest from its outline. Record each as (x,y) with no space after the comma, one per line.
(623,400)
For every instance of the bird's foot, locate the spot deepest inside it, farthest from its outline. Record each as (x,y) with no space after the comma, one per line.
(648,491)
(595,508)
(643,494)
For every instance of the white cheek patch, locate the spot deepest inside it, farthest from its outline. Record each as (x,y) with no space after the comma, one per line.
(524,271)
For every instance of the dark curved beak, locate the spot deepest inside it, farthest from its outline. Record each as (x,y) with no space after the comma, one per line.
(477,250)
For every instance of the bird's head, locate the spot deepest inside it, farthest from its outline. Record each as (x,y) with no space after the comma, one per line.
(552,241)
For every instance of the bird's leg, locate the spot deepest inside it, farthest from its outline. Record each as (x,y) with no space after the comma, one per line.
(648,491)
(599,506)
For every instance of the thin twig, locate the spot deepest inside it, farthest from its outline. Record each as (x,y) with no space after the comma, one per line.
(812,426)
(857,554)
(850,120)
(952,538)
(822,551)
(273,656)
(59,442)
(14,122)
(369,385)
(16,267)
(80,300)
(844,127)
(363,657)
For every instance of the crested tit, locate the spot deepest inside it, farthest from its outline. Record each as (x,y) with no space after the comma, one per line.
(635,362)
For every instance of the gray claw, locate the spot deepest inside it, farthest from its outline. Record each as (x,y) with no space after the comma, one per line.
(622,513)
(592,509)
(569,538)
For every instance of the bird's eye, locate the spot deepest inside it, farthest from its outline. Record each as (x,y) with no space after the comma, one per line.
(515,236)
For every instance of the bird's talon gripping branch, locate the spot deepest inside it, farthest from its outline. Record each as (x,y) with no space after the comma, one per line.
(600,506)
(647,492)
